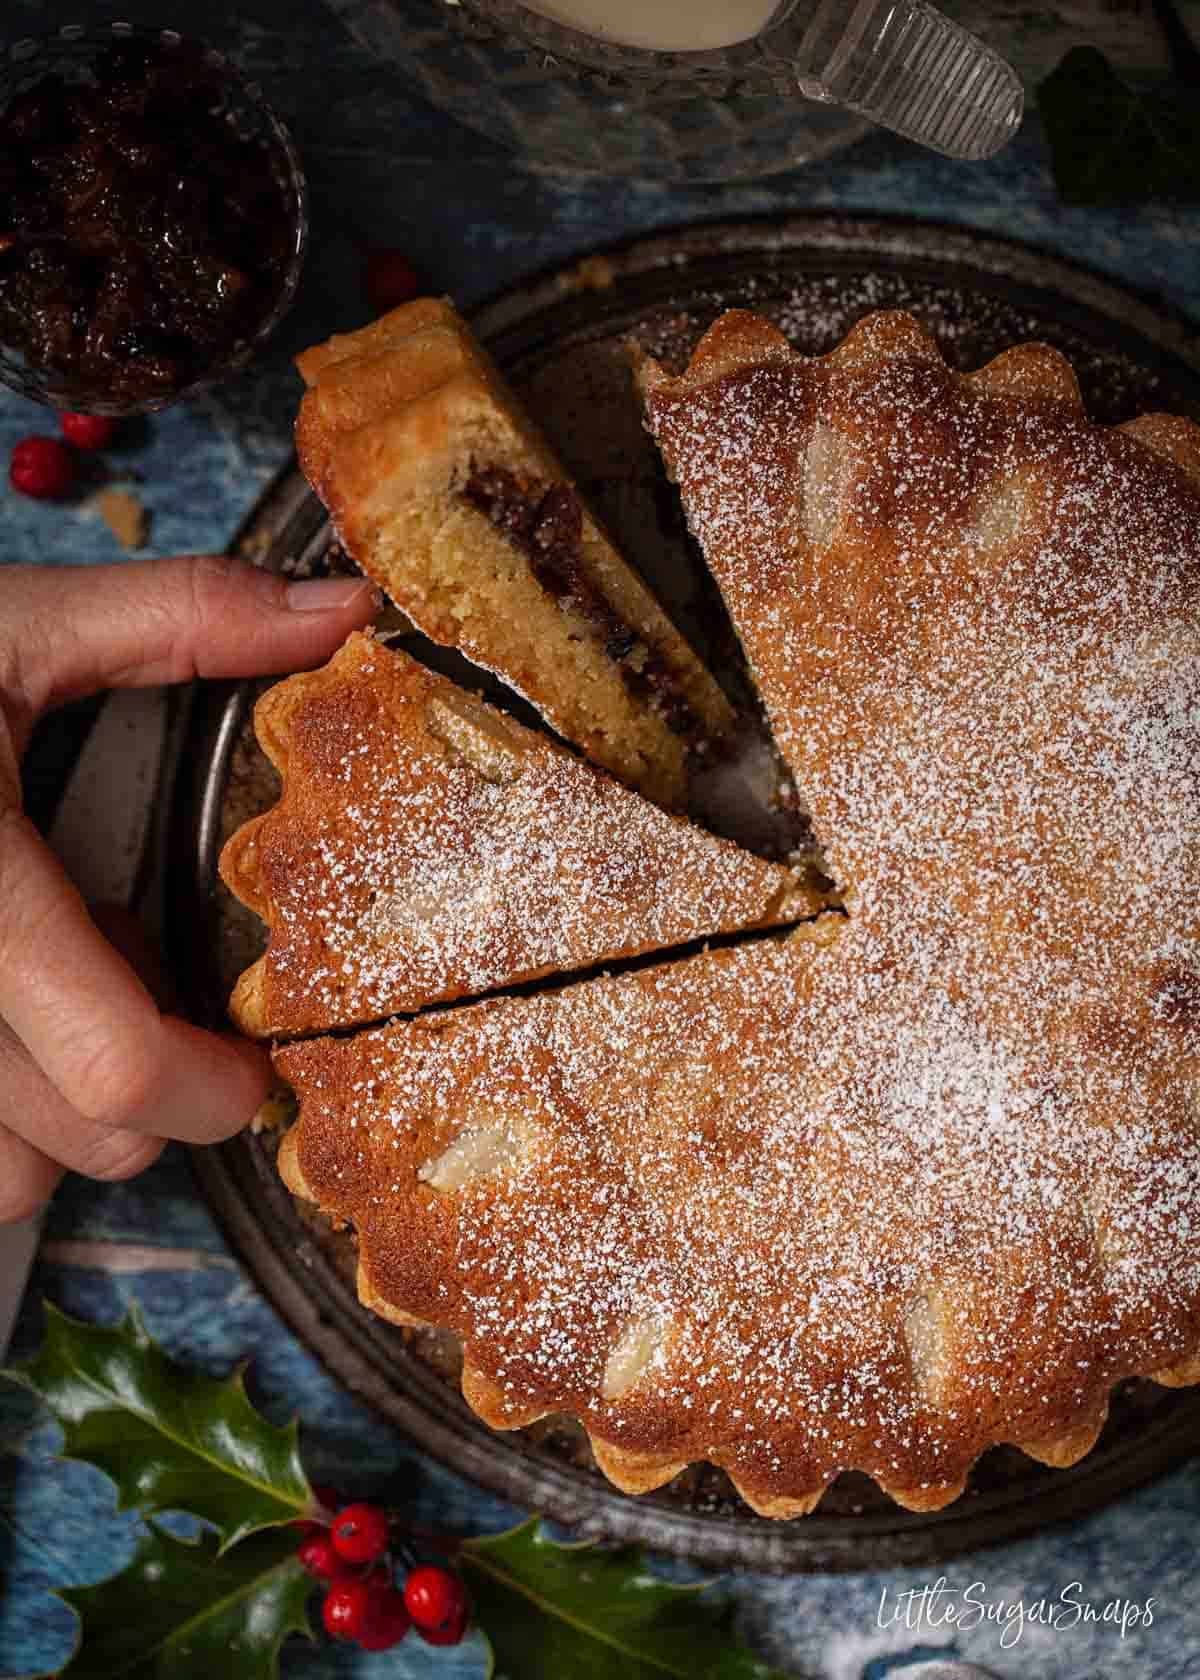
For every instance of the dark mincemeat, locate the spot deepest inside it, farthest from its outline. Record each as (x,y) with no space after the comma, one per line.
(545,521)
(141,238)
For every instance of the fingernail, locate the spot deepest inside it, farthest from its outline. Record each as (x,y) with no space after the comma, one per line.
(329,594)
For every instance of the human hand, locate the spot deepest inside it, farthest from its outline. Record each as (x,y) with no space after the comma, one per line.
(93,1076)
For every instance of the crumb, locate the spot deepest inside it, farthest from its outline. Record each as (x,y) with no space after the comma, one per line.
(125,515)
(256,545)
(592,274)
(276,1113)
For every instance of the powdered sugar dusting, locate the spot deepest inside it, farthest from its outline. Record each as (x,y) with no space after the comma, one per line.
(920,1180)
(427,847)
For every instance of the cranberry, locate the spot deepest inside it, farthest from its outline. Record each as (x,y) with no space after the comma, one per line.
(360,1533)
(41,467)
(389,279)
(319,1557)
(346,1610)
(437,1603)
(87,431)
(387,1620)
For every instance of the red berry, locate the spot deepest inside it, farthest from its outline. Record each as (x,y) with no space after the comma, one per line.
(387,1620)
(360,1533)
(318,1556)
(346,1610)
(437,1602)
(389,279)
(41,467)
(88,431)
(451,1634)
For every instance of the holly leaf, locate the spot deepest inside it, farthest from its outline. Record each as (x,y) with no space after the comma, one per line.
(583,1612)
(187,1610)
(170,1438)
(1110,143)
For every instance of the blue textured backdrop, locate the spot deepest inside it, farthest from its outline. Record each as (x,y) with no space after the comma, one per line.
(385,170)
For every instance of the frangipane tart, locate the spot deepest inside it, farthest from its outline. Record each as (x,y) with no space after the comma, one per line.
(914,1180)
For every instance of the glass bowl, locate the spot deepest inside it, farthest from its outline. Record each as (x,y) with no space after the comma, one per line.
(71,55)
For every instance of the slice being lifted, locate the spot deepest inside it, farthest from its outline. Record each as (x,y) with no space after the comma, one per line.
(426,846)
(444,492)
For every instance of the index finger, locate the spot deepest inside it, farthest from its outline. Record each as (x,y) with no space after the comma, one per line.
(145,622)
(90,1024)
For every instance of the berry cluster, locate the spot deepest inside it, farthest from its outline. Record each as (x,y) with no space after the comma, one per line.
(44,468)
(362,1602)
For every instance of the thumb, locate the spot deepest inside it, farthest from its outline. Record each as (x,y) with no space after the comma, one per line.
(77,629)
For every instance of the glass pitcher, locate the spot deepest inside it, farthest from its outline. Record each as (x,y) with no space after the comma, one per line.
(899,63)
(725,90)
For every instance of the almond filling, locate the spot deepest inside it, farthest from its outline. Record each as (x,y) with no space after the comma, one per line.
(545,522)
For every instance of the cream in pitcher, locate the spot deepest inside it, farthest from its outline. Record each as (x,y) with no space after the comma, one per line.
(900,63)
(664,25)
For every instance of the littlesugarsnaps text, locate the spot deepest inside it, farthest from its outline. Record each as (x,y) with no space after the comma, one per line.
(938,1606)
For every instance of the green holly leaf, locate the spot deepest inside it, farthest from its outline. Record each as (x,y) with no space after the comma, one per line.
(170,1438)
(582,1612)
(186,1610)
(1112,144)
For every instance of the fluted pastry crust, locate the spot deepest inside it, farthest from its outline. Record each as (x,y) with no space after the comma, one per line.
(914,1181)
(427,846)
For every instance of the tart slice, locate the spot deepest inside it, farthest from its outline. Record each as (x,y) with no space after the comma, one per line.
(897,544)
(427,846)
(564,1180)
(445,493)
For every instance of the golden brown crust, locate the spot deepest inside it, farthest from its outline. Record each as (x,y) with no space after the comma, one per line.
(1067,1447)
(910,1183)
(426,847)
(358,390)
(313,363)
(288,1166)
